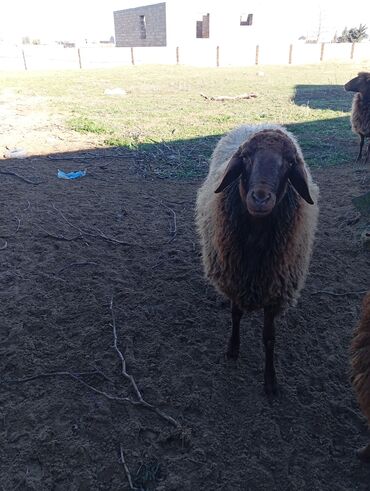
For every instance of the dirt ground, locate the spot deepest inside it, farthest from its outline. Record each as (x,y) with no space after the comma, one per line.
(69,247)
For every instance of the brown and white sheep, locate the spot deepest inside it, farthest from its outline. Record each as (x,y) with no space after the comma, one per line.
(360,113)
(256,219)
(360,361)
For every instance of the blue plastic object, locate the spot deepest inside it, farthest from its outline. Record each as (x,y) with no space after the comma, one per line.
(71,175)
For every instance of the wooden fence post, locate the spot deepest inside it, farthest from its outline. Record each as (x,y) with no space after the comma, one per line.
(132,56)
(79,58)
(257,54)
(352,51)
(218,56)
(290,54)
(322,51)
(177,55)
(24,60)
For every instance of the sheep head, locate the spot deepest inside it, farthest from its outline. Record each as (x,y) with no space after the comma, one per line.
(265,164)
(361,83)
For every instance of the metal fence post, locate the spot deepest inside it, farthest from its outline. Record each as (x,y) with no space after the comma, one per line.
(24,59)
(290,54)
(79,58)
(322,51)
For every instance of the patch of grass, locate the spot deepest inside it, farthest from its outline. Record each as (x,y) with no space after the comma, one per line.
(165,118)
(82,124)
(115,141)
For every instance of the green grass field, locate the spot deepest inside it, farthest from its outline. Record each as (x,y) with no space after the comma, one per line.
(164,116)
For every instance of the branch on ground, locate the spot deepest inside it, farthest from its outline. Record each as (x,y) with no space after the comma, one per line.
(221,98)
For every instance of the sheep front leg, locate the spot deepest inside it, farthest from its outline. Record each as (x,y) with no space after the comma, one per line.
(234,341)
(269,344)
(367,154)
(362,139)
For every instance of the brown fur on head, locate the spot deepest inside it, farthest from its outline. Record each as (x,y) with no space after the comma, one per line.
(361,84)
(266,162)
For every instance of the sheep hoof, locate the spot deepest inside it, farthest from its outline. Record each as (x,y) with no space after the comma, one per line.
(232,354)
(271,387)
(363,453)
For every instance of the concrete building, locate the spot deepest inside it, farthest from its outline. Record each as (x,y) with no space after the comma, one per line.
(177,22)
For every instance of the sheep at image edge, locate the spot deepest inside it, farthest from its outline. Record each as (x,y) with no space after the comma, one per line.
(360,358)
(256,216)
(360,113)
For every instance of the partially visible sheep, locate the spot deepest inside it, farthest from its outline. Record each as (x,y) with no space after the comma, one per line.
(360,114)
(360,358)
(256,219)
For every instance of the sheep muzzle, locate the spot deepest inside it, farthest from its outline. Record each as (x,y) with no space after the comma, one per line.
(260,200)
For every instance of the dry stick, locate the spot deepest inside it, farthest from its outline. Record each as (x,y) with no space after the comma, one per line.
(85,232)
(229,98)
(28,206)
(11,235)
(48,374)
(174,231)
(339,294)
(11,173)
(128,474)
(75,376)
(90,157)
(70,224)
(131,378)
(59,237)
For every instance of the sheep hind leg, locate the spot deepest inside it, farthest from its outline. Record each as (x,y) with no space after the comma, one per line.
(362,139)
(234,341)
(269,345)
(364,453)
(367,153)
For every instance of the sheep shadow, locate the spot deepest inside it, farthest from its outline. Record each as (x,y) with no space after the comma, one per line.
(332,97)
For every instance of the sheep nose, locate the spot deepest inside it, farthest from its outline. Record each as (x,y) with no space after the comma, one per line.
(260,197)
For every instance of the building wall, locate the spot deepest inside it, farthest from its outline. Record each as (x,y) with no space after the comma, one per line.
(141,26)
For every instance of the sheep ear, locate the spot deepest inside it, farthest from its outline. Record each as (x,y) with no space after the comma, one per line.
(298,178)
(233,171)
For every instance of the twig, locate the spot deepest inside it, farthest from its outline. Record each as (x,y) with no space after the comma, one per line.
(47,375)
(160,143)
(131,378)
(59,237)
(76,376)
(91,157)
(11,235)
(228,97)
(86,232)
(11,173)
(174,230)
(339,294)
(69,223)
(28,206)
(128,474)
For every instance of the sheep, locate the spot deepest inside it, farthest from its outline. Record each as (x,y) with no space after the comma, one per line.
(360,113)
(256,219)
(360,367)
